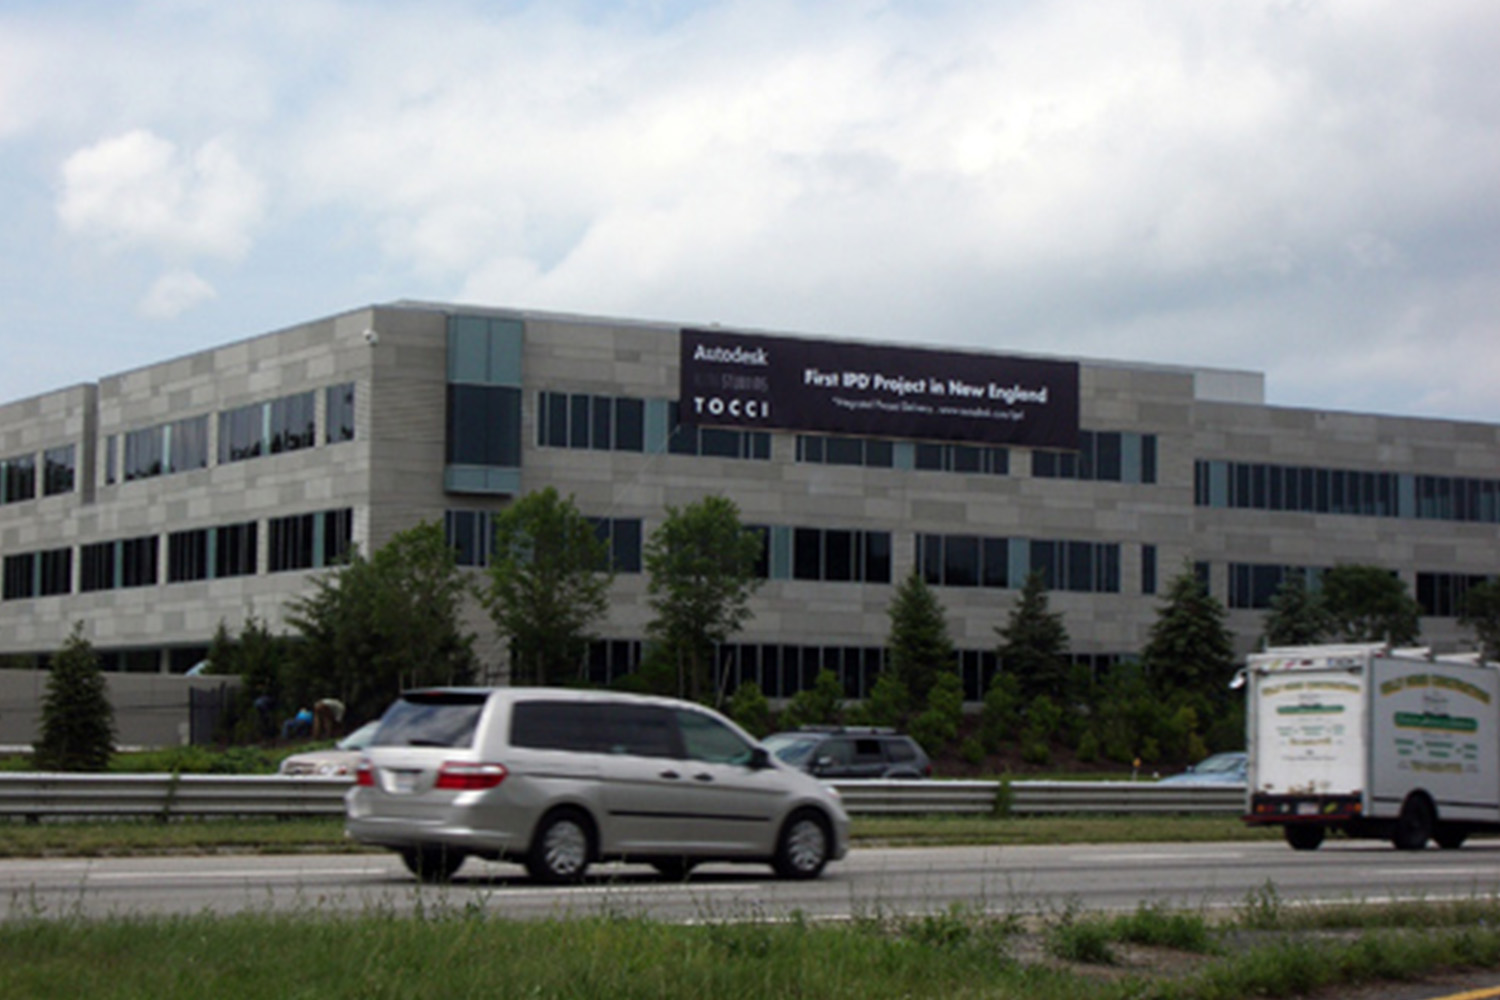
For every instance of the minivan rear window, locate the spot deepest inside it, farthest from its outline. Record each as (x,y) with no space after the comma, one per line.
(435,719)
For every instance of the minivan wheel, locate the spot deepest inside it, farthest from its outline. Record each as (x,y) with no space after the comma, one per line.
(803,849)
(674,869)
(561,849)
(433,862)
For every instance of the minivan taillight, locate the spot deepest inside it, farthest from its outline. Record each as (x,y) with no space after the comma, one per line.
(364,775)
(459,776)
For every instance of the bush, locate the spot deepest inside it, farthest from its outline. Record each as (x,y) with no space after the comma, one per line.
(750,708)
(938,726)
(972,751)
(820,705)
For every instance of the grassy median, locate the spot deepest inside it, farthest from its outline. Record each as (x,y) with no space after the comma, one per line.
(466,952)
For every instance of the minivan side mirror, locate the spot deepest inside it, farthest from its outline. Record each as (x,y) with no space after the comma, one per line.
(760,759)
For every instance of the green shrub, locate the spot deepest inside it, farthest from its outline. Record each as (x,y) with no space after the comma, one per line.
(972,751)
(750,708)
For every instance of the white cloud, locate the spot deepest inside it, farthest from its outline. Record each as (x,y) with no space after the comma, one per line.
(138,190)
(175,293)
(1168,180)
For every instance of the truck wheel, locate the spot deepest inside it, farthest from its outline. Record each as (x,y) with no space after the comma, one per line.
(1304,836)
(1413,826)
(1449,837)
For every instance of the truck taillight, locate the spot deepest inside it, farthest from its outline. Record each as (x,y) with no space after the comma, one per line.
(460,776)
(364,775)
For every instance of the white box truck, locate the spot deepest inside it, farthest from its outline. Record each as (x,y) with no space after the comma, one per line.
(1372,742)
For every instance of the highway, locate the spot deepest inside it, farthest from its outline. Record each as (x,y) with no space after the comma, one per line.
(999,880)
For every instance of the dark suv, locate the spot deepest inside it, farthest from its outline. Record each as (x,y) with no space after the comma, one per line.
(851,752)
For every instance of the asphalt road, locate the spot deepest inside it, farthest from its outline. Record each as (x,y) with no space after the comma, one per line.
(999,880)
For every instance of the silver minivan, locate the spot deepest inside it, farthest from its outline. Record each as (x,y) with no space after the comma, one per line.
(559,778)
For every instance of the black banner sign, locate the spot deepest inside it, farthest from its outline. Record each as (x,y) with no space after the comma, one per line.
(752,381)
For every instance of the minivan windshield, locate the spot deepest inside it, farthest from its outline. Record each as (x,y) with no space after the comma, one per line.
(431,719)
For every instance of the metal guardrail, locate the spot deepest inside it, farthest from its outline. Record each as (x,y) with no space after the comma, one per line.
(34,797)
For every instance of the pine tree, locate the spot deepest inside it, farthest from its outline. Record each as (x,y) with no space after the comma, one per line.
(1034,644)
(1296,616)
(78,722)
(920,648)
(1190,651)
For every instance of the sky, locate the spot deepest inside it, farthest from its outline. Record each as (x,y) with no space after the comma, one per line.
(1302,188)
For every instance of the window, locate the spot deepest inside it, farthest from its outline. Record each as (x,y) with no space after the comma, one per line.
(1442,595)
(602,423)
(145,453)
(307,541)
(292,419)
(20,576)
(622,537)
(868,452)
(1252,586)
(234,550)
(964,560)
(18,479)
(55,572)
(1148,569)
(709,740)
(339,413)
(58,470)
(138,561)
(716,442)
(484,425)
(241,433)
(990,461)
(189,444)
(1080,567)
(187,556)
(468,534)
(841,556)
(96,567)
(1102,456)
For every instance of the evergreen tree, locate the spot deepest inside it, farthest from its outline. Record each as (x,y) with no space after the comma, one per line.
(548,584)
(78,722)
(701,562)
(1481,612)
(1034,644)
(1296,616)
(1190,650)
(1370,604)
(920,649)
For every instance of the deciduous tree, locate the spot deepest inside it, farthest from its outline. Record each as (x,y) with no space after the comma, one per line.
(701,563)
(378,625)
(1370,604)
(548,584)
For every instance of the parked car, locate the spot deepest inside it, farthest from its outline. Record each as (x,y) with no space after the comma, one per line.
(851,752)
(559,779)
(341,761)
(1220,769)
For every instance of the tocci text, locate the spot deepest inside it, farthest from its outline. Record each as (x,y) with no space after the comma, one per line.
(715,406)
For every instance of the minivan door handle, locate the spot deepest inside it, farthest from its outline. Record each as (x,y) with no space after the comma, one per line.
(703,776)
(669,773)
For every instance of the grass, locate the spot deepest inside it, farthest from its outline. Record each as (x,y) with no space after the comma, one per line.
(456,952)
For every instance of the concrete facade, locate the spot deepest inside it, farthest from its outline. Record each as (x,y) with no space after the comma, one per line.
(1176,428)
